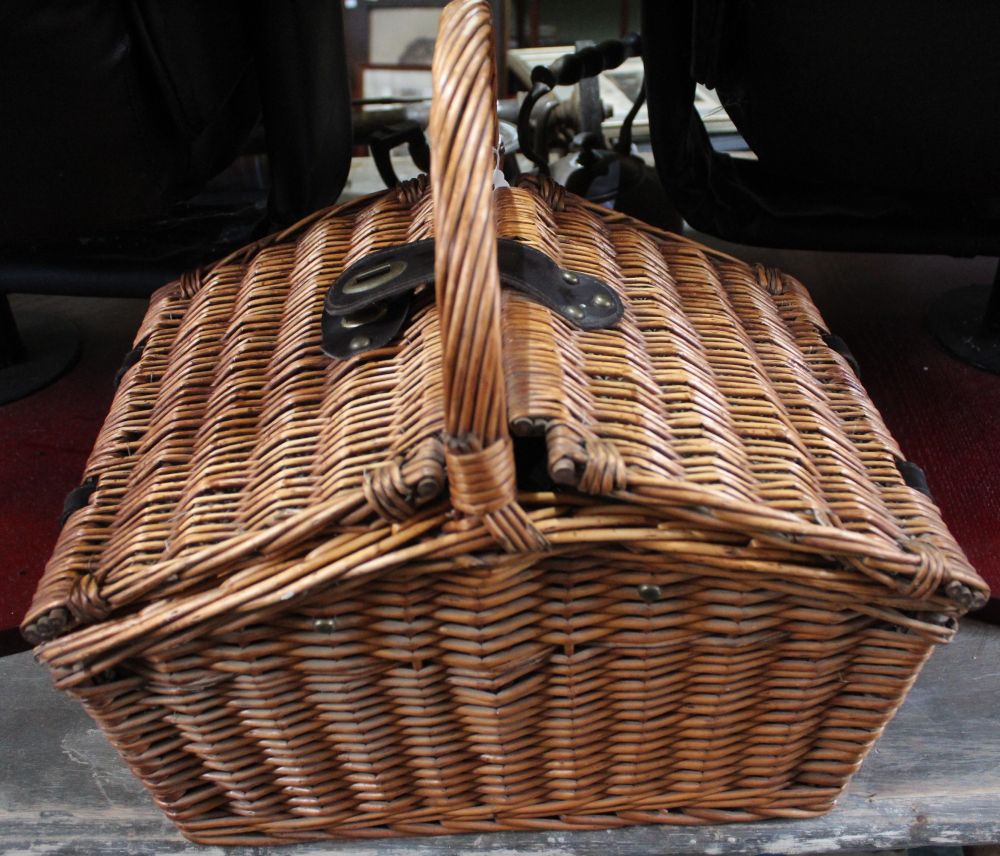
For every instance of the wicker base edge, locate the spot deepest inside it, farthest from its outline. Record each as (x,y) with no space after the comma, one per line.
(223,833)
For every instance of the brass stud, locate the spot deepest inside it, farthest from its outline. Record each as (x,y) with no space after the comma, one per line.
(570,277)
(650,593)
(325,625)
(372,278)
(365,315)
(574,311)
(602,301)
(359,343)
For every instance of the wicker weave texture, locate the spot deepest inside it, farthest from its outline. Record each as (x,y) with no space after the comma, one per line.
(503,573)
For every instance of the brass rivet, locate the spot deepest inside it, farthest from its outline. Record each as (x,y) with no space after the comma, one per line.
(574,311)
(359,343)
(325,625)
(650,593)
(601,300)
(570,277)
(372,278)
(365,315)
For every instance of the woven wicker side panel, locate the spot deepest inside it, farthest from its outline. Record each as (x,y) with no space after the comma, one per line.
(557,693)
(78,551)
(915,514)
(148,729)
(883,666)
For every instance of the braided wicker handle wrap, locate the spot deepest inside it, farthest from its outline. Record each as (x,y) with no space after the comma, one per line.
(463,134)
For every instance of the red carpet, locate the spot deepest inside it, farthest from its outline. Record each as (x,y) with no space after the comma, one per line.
(943,413)
(44,443)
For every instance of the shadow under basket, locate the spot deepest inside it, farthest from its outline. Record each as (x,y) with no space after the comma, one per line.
(582,525)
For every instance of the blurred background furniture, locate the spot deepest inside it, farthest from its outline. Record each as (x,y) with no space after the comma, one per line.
(874,128)
(128,153)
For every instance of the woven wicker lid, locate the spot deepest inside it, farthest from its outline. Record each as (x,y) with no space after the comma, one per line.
(240,467)
(716,402)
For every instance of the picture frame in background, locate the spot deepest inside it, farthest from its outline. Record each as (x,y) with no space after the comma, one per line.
(402,36)
(381,33)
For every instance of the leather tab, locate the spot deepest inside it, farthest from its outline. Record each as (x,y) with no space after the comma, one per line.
(130,359)
(914,476)
(77,499)
(835,343)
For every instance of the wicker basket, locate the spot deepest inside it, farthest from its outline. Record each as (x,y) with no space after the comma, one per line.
(497,569)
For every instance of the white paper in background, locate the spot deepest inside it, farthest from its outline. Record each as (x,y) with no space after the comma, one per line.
(402,36)
(396,83)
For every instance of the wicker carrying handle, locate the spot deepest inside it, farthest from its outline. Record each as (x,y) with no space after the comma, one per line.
(463,134)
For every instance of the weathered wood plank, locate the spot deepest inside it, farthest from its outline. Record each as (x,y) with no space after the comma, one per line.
(933,779)
(859,824)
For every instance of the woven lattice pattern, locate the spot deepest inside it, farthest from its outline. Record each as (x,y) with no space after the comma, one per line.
(503,573)
(716,390)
